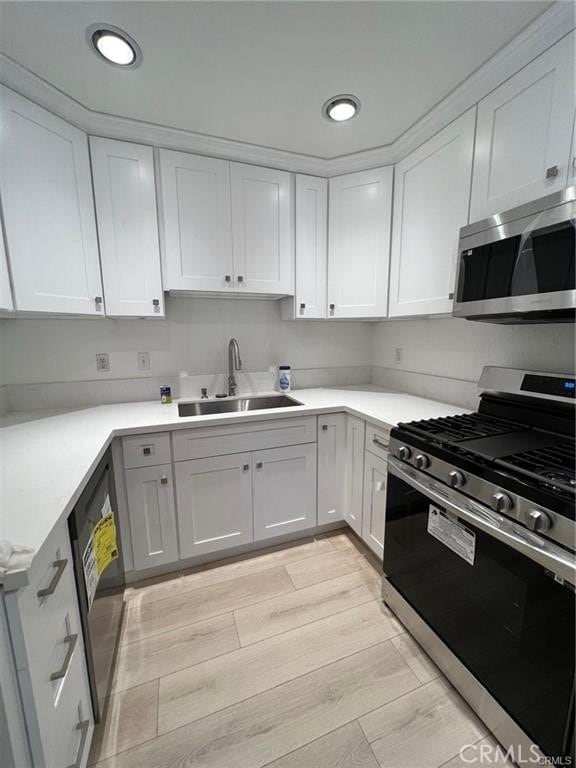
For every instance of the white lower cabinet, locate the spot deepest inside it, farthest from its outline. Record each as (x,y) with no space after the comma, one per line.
(284,490)
(354,477)
(374,507)
(152,515)
(331,467)
(214,498)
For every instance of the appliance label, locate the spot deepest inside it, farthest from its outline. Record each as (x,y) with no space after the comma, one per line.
(100,551)
(454,535)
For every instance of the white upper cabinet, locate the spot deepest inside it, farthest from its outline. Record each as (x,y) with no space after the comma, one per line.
(48,211)
(524,133)
(431,198)
(262,229)
(311,246)
(125,195)
(6,304)
(359,243)
(197,222)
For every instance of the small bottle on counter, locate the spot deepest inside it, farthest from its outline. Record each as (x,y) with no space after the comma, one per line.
(284,378)
(165,395)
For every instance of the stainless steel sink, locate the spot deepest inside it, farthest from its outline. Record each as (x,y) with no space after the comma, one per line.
(236,405)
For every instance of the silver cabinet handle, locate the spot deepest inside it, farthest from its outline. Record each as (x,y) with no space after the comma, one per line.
(98,302)
(380,443)
(163,481)
(552,172)
(259,465)
(246,467)
(71,641)
(324,427)
(331,307)
(60,565)
(240,279)
(302,308)
(147,451)
(83,727)
(227,278)
(155,302)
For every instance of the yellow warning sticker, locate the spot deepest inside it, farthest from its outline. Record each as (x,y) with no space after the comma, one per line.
(104,542)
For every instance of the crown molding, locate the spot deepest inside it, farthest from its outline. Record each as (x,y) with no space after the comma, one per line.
(547,29)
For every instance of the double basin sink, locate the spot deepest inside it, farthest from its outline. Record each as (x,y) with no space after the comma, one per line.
(236,405)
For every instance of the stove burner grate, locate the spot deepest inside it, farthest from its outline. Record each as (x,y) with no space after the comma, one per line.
(454,429)
(553,467)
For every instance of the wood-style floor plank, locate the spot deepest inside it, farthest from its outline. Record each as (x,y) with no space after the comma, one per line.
(486,752)
(209,574)
(313,570)
(274,723)
(294,609)
(131,719)
(147,619)
(427,727)
(418,661)
(193,693)
(160,655)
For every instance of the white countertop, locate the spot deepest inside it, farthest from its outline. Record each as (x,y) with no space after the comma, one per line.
(46,458)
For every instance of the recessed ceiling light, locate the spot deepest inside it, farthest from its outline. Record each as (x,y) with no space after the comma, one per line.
(114,45)
(341,108)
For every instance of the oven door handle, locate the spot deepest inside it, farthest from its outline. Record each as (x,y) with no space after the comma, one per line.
(559,561)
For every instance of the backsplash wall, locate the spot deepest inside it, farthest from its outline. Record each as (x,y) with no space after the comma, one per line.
(442,358)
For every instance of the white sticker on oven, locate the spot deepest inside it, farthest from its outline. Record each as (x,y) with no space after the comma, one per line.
(453,534)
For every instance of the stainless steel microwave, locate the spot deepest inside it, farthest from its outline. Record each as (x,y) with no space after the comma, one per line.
(518,266)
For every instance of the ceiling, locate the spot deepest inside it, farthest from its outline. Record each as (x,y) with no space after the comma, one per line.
(259,72)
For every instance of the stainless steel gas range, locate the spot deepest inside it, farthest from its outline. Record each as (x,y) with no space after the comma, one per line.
(479,554)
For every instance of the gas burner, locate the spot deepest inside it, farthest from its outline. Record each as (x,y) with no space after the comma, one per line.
(557,478)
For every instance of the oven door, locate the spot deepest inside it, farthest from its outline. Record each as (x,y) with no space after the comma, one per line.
(501,604)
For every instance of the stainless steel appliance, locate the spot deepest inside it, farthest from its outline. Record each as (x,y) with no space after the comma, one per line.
(518,266)
(479,553)
(101,598)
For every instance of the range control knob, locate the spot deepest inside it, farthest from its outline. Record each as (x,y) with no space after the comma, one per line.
(404,453)
(537,520)
(501,502)
(456,479)
(422,461)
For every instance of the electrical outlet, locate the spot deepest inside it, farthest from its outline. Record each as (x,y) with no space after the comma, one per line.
(399,355)
(143,361)
(102,361)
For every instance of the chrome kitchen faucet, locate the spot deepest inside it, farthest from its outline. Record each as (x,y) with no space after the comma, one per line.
(234,364)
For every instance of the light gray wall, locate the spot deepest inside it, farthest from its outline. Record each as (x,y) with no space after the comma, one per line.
(442,358)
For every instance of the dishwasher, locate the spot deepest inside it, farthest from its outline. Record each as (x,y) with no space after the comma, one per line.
(99,574)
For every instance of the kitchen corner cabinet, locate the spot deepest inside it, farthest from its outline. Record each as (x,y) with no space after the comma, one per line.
(331,467)
(152,515)
(214,497)
(262,221)
(431,199)
(197,224)
(354,477)
(360,210)
(284,490)
(374,506)
(48,211)
(6,303)
(125,197)
(524,133)
(311,249)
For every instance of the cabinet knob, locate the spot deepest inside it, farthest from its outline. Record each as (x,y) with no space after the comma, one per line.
(155,302)
(98,302)
(332,307)
(227,278)
(552,172)
(164,481)
(258,465)
(324,427)
(240,279)
(147,451)
(302,308)
(246,467)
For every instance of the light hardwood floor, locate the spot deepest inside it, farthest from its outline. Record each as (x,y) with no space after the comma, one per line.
(284,659)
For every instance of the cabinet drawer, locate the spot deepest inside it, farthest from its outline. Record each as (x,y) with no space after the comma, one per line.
(377,440)
(239,438)
(146,450)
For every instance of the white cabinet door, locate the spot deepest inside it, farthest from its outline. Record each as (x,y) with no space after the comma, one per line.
(331,467)
(374,507)
(197,231)
(431,198)
(284,490)
(152,516)
(359,243)
(311,246)
(524,133)
(48,210)
(354,476)
(6,303)
(262,229)
(214,503)
(125,196)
